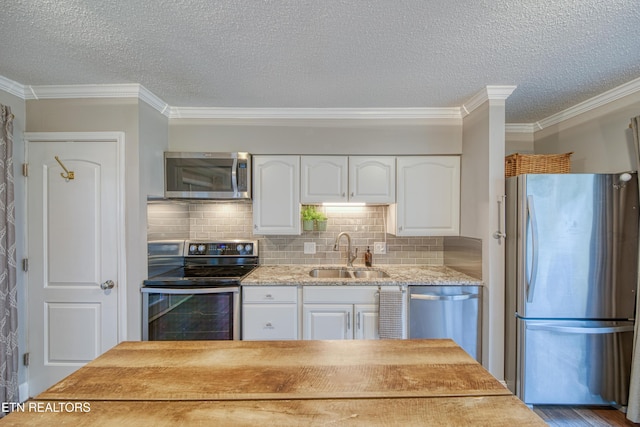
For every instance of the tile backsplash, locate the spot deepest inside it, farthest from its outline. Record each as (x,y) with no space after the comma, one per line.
(227,220)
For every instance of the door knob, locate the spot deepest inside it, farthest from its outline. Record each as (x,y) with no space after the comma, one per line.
(107,285)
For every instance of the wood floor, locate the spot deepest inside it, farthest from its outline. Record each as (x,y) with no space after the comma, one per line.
(564,416)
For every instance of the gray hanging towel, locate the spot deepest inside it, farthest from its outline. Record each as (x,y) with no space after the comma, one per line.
(392,317)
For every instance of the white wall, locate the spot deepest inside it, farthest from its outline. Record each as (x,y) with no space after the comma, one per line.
(153,142)
(124,115)
(482,183)
(519,142)
(364,136)
(600,139)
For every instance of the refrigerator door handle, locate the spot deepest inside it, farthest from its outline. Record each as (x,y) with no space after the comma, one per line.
(434,297)
(581,330)
(531,281)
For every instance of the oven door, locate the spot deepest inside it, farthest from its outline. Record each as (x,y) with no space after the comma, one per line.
(182,314)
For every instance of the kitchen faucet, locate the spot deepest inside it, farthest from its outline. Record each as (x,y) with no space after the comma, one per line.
(350,256)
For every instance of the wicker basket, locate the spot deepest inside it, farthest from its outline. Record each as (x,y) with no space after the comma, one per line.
(517,164)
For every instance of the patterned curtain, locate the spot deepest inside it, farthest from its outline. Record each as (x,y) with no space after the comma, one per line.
(8,288)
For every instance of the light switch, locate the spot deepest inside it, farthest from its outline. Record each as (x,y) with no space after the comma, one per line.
(309,248)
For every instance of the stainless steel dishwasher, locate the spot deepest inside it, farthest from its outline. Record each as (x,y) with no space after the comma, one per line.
(447,312)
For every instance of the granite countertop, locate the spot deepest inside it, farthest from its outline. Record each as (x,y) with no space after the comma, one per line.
(266,275)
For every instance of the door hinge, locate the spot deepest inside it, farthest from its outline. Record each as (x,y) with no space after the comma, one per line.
(25,359)
(25,169)
(25,264)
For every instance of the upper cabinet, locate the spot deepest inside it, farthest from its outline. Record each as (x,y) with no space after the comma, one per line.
(276,194)
(372,179)
(324,179)
(428,199)
(348,179)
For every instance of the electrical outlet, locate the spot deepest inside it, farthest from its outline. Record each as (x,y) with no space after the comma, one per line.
(379,248)
(309,248)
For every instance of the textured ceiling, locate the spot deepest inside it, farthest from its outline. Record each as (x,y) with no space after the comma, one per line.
(329,53)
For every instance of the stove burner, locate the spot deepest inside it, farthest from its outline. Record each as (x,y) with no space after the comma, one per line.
(198,264)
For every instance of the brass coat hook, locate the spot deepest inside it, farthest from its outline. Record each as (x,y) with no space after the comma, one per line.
(67,174)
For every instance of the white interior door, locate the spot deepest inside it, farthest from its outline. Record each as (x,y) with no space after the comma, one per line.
(74,230)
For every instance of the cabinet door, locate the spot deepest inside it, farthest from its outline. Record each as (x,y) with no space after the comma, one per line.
(428,198)
(366,320)
(276,194)
(327,321)
(269,322)
(372,179)
(324,179)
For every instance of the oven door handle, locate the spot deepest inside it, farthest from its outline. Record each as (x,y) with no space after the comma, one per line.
(189,291)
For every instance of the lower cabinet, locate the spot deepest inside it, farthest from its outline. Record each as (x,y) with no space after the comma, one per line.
(344,312)
(270,313)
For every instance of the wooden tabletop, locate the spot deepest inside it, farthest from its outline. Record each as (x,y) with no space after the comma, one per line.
(284,383)
(494,411)
(262,370)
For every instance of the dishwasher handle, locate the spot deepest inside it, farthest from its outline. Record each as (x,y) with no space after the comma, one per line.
(436,297)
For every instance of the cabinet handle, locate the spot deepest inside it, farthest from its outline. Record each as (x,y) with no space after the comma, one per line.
(353,194)
(348,322)
(344,194)
(268,296)
(358,321)
(268,325)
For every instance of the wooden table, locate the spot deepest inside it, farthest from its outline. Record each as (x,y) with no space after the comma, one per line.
(385,382)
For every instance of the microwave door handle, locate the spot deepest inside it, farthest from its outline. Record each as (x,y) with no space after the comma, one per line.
(234,177)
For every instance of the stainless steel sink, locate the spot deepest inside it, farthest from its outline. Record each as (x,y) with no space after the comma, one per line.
(342,273)
(369,274)
(331,273)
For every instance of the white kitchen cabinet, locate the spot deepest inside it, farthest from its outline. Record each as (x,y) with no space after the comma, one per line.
(366,322)
(327,321)
(269,313)
(368,179)
(372,179)
(276,195)
(324,179)
(340,312)
(428,197)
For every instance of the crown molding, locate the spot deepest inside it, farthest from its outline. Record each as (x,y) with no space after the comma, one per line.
(82,91)
(520,128)
(489,93)
(14,88)
(314,113)
(597,101)
(132,90)
(609,96)
(138,91)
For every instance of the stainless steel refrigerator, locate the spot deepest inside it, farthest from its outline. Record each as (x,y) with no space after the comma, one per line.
(571,275)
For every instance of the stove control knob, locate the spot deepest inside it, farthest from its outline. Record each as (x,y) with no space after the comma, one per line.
(192,248)
(248,249)
(239,248)
(201,248)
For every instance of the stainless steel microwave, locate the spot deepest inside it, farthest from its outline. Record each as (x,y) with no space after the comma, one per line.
(207,175)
